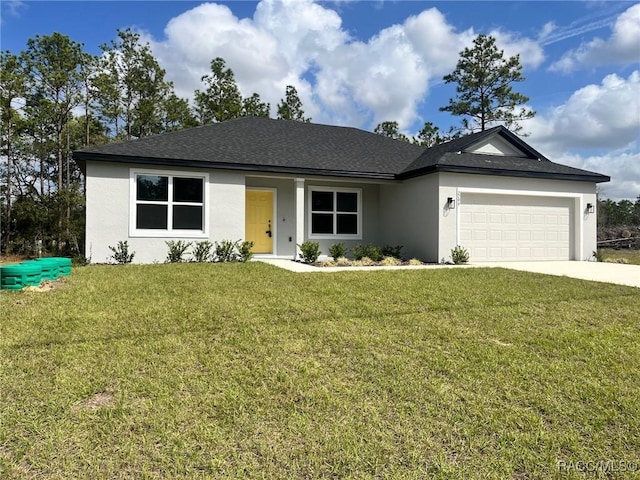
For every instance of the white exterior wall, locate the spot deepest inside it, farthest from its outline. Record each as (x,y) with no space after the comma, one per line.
(108,206)
(584,224)
(409,213)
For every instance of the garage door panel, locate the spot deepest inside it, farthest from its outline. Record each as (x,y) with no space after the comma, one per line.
(508,227)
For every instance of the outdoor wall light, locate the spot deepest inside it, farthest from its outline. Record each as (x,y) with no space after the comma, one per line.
(451,203)
(589,207)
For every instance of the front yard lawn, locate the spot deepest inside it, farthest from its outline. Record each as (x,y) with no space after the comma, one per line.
(248,371)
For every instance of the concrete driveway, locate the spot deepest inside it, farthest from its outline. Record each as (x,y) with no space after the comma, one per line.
(598,271)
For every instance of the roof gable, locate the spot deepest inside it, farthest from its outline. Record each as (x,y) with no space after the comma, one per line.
(497,146)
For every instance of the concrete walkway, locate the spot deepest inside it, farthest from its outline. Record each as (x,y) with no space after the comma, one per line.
(600,272)
(617,273)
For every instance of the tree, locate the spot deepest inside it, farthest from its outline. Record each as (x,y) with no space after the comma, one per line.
(54,66)
(12,88)
(177,114)
(484,81)
(221,100)
(290,107)
(431,135)
(253,106)
(130,88)
(391,130)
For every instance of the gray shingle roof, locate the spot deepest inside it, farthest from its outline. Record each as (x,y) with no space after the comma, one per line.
(452,157)
(274,145)
(261,144)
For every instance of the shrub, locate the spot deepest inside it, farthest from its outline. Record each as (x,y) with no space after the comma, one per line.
(415,261)
(390,261)
(310,251)
(244,251)
(616,260)
(337,250)
(329,262)
(202,251)
(176,251)
(391,251)
(370,251)
(226,251)
(459,255)
(367,262)
(343,262)
(121,253)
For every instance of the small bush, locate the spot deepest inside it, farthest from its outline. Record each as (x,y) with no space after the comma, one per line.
(367,262)
(177,250)
(459,255)
(616,260)
(80,261)
(244,251)
(202,251)
(370,251)
(310,251)
(343,262)
(337,250)
(121,253)
(392,251)
(329,262)
(391,261)
(415,261)
(226,251)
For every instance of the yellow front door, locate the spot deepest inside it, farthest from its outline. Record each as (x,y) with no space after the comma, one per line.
(259,220)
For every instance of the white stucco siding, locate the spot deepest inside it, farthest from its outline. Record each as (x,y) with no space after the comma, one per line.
(409,213)
(576,195)
(109,205)
(107,208)
(496,146)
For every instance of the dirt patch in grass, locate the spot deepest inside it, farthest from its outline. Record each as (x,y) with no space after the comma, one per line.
(45,286)
(97,401)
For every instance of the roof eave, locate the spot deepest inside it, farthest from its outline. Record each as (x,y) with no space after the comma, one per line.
(594,177)
(84,156)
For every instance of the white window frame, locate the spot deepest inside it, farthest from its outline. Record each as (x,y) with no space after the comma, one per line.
(168,232)
(335,191)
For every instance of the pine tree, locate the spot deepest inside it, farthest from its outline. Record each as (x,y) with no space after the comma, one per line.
(290,107)
(221,100)
(484,81)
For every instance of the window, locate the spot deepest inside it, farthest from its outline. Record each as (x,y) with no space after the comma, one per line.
(335,213)
(168,204)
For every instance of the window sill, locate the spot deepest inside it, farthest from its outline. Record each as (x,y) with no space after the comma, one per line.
(335,237)
(169,234)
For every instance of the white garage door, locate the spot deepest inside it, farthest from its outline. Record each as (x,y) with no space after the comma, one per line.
(518,228)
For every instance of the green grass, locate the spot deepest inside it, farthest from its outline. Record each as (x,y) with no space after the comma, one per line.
(247,371)
(629,256)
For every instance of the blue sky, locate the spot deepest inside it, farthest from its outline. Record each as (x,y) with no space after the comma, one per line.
(360,63)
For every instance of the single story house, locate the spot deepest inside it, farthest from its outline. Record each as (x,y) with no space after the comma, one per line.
(279,183)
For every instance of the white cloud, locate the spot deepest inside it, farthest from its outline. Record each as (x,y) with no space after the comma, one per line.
(530,51)
(605,116)
(301,43)
(622,47)
(623,168)
(602,119)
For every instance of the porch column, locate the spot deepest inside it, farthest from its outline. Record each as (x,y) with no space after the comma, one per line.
(299,237)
